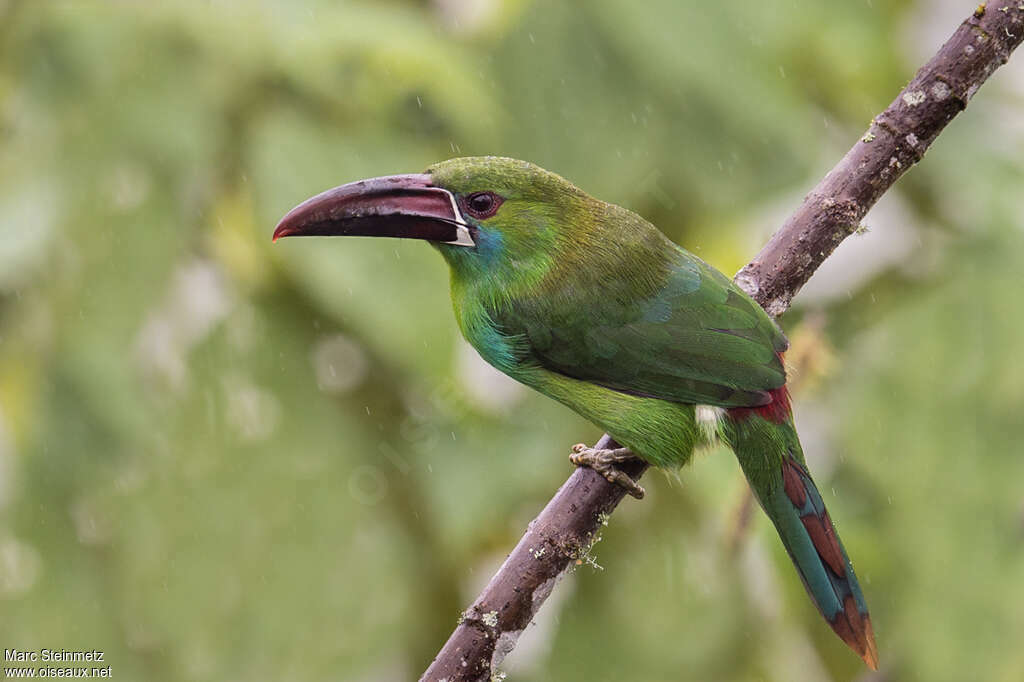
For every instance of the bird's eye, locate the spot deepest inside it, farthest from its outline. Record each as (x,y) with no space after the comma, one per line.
(482,204)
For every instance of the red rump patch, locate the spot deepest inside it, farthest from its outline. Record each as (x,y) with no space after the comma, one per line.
(777,410)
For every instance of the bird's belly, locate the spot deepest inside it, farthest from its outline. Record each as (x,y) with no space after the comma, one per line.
(662,432)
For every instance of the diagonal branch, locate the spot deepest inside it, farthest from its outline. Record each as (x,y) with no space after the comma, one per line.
(832,211)
(896,139)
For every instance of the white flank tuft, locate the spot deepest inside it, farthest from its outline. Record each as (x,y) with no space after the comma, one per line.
(708,417)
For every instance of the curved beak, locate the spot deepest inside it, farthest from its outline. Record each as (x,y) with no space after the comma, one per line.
(406,206)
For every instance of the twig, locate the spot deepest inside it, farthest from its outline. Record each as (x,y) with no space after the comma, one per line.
(896,139)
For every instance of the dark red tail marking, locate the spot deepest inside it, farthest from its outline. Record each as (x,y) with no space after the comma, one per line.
(824,538)
(855,629)
(793,485)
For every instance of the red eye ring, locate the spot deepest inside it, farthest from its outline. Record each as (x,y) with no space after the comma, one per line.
(482,205)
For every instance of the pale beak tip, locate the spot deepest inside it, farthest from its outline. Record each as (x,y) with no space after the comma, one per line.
(282,230)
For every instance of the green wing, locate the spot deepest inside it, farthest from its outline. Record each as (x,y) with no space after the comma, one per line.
(696,338)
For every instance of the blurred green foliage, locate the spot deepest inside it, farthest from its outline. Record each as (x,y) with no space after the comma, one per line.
(222,459)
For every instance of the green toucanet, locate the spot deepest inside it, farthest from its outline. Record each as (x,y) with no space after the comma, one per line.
(591,305)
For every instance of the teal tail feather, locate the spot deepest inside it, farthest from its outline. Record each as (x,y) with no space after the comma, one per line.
(806,530)
(786,492)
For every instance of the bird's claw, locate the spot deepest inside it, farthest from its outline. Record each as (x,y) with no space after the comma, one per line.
(603,462)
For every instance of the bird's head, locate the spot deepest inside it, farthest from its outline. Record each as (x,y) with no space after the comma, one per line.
(489,216)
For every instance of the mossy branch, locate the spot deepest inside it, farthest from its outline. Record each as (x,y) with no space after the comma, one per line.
(896,139)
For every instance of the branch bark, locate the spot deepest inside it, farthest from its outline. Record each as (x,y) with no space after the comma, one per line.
(896,140)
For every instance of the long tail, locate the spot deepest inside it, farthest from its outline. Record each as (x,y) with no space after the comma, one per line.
(766,443)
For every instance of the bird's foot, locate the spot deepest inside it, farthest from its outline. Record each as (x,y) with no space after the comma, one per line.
(604,461)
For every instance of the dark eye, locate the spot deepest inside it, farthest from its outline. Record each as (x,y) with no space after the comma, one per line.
(482,204)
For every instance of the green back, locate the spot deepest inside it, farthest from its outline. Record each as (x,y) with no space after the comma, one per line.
(695,339)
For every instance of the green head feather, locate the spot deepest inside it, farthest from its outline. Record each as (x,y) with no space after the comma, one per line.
(543,226)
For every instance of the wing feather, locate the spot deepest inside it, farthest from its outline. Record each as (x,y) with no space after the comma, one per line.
(695,339)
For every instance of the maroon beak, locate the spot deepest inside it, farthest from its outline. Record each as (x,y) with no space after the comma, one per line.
(406,206)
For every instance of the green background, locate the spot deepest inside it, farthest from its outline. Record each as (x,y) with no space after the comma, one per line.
(223,459)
